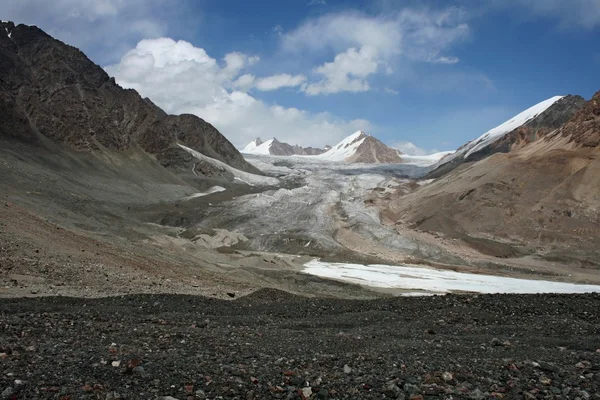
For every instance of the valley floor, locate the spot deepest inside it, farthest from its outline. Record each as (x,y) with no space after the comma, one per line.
(113,237)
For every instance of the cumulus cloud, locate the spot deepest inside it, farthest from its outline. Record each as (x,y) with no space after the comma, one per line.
(275,82)
(182,78)
(346,73)
(364,43)
(411,149)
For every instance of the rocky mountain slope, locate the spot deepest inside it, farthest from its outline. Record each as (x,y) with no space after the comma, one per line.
(526,127)
(362,148)
(52,94)
(542,198)
(276,148)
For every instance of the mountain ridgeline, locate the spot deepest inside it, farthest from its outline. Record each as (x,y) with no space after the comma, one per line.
(526,127)
(52,94)
(276,148)
(356,148)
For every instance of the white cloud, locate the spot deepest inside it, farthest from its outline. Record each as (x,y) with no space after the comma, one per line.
(411,149)
(389,90)
(317,2)
(346,73)
(584,13)
(244,82)
(182,78)
(406,35)
(275,82)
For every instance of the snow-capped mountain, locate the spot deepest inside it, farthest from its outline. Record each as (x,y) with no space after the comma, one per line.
(525,127)
(362,148)
(276,148)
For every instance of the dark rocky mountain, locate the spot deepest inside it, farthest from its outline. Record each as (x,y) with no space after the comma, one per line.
(51,93)
(546,122)
(284,149)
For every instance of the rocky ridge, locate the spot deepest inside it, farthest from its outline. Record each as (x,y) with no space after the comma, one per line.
(52,94)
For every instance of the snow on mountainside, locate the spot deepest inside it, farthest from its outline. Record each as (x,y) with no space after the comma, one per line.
(498,132)
(362,148)
(509,126)
(427,160)
(346,148)
(257,146)
(276,148)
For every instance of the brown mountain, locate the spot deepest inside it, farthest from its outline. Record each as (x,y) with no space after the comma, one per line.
(52,94)
(362,148)
(542,198)
(551,119)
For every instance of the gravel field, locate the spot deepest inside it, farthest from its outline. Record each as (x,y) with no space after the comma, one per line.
(275,345)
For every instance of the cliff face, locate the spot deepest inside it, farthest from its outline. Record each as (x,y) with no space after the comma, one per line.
(49,90)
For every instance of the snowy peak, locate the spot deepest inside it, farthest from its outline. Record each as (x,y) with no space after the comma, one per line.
(525,127)
(362,148)
(274,147)
(518,120)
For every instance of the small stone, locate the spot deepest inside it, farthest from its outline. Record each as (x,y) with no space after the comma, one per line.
(545,381)
(323,394)
(200,394)
(306,392)
(544,366)
(496,342)
(447,376)
(394,390)
(7,393)
(138,370)
(3,356)
(231,294)
(583,365)
(347,369)
(168,398)
(477,395)
(250,395)
(115,363)
(254,380)
(585,395)
(19,382)
(411,390)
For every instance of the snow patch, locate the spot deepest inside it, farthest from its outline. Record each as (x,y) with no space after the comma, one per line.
(246,177)
(214,189)
(425,280)
(425,161)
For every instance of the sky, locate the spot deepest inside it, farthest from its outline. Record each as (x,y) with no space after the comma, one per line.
(422,76)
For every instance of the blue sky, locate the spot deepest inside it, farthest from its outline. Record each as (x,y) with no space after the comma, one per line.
(434,73)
